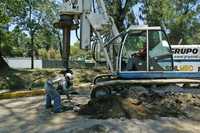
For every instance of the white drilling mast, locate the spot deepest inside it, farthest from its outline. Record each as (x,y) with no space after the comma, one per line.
(94,21)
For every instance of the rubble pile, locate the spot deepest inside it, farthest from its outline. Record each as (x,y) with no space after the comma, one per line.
(144,105)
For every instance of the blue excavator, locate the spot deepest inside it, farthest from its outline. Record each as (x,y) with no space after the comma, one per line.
(140,55)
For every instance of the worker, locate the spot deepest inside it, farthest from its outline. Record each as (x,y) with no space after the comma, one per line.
(65,85)
(135,57)
(142,52)
(52,94)
(131,66)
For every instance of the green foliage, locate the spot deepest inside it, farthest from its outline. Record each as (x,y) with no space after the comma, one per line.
(43,53)
(52,53)
(49,54)
(10,9)
(121,11)
(14,43)
(47,39)
(75,49)
(31,19)
(77,53)
(181,17)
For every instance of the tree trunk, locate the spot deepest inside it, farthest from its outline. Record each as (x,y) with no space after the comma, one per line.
(32,51)
(3,63)
(118,15)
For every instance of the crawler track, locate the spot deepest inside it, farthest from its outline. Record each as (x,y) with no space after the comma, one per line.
(122,87)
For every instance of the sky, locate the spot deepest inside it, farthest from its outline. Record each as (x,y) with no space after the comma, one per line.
(73,37)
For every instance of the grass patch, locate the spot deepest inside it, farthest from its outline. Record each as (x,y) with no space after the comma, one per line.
(25,79)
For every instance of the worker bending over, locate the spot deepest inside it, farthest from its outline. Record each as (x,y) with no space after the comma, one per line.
(63,84)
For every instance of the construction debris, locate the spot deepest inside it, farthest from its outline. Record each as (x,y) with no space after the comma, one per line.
(143,105)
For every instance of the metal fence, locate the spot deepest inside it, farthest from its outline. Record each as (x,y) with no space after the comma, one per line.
(72,64)
(26,63)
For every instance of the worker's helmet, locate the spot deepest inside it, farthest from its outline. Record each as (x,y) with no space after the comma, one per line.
(69,75)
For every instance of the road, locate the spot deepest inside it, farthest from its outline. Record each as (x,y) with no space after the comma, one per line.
(28,115)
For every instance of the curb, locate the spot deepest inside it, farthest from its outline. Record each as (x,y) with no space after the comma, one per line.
(38,92)
(10,95)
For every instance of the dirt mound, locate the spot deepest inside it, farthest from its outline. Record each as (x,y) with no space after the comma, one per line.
(145,105)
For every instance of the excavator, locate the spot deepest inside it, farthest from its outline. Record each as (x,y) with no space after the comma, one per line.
(140,55)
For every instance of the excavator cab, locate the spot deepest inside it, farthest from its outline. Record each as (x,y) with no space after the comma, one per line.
(145,49)
(146,54)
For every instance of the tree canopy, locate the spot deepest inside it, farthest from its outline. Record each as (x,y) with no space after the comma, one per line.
(180,17)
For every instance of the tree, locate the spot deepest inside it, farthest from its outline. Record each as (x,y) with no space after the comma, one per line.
(121,11)
(179,16)
(37,20)
(49,36)
(31,23)
(76,52)
(8,10)
(3,63)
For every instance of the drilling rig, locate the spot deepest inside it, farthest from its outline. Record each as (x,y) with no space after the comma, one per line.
(140,55)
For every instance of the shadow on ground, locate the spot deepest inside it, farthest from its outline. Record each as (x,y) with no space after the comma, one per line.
(24,115)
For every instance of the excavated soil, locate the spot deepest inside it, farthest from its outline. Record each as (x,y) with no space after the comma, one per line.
(146,105)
